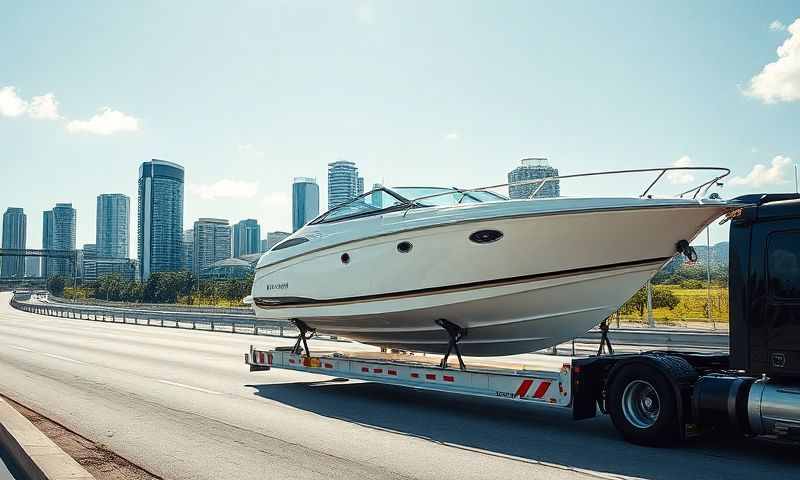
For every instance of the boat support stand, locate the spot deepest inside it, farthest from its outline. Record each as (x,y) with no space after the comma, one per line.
(604,340)
(455,333)
(306,332)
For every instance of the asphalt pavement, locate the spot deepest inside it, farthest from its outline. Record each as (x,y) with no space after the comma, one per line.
(182,404)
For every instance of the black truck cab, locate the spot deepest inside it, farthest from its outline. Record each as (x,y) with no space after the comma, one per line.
(764,276)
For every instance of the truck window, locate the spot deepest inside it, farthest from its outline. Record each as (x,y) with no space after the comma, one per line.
(783,250)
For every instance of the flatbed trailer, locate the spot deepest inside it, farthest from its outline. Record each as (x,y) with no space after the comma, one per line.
(653,398)
(417,371)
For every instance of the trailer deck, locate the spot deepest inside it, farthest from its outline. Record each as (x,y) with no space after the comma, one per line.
(508,380)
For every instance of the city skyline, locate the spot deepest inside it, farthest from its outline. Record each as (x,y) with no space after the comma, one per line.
(599,98)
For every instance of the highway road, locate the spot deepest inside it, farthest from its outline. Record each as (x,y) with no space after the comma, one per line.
(181,404)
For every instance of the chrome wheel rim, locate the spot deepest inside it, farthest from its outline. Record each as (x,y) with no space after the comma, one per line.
(641,404)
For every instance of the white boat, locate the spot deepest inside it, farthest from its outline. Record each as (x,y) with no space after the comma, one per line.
(511,276)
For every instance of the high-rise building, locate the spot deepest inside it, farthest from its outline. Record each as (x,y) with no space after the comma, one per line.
(96,266)
(58,233)
(246,238)
(15,224)
(160,217)
(89,262)
(359,185)
(376,198)
(305,201)
(533,169)
(342,182)
(47,240)
(113,223)
(273,238)
(33,267)
(212,242)
(187,250)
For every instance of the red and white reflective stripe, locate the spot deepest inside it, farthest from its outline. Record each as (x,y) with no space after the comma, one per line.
(526,384)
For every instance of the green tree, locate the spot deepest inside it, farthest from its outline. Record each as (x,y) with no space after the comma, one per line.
(55,285)
(662,298)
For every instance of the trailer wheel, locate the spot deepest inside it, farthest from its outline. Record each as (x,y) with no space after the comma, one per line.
(643,406)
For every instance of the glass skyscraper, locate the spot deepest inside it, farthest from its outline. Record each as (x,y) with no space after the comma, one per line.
(533,169)
(160,217)
(212,242)
(14,227)
(342,182)
(58,233)
(112,226)
(273,238)
(187,251)
(305,201)
(246,238)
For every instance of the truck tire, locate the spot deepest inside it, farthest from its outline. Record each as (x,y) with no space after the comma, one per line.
(643,405)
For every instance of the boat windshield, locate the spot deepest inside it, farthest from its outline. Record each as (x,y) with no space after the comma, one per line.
(383,199)
(438,196)
(370,203)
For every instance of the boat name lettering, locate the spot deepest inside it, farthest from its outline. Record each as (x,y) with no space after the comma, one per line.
(505,394)
(277,286)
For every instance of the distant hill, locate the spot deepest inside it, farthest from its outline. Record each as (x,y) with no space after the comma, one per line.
(679,269)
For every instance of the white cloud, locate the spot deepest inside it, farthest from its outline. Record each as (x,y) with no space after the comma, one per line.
(762,175)
(276,211)
(276,200)
(777,26)
(106,122)
(250,151)
(225,188)
(452,136)
(779,81)
(365,13)
(44,107)
(11,105)
(681,177)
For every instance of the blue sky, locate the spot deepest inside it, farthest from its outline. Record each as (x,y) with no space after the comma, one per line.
(247,95)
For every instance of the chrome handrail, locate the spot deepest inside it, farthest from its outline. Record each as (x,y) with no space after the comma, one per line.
(662,171)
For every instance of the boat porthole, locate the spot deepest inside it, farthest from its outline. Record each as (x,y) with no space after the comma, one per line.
(486,236)
(345,258)
(404,247)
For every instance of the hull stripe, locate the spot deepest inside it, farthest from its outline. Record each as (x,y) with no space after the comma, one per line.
(295,302)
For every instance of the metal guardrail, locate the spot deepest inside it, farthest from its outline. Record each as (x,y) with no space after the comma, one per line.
(229,323)
(94,302)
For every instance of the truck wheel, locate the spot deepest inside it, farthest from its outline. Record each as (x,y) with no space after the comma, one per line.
(643,406)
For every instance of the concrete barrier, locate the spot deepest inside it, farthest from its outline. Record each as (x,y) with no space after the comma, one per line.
(35,455)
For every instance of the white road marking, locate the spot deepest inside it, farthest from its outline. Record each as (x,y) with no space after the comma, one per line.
(176,384)
(24,349)
(66,359)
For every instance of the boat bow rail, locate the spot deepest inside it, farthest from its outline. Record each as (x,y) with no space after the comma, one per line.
(720,173)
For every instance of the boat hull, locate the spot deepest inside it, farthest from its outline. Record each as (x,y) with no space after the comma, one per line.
(548,279)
